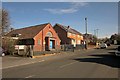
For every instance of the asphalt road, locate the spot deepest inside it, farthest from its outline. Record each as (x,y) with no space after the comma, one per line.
(98,63)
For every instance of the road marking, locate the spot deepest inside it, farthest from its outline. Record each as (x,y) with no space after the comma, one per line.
(67,64)
(22,64)
(30,76)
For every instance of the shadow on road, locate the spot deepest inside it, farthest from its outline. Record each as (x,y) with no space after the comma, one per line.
(104,59)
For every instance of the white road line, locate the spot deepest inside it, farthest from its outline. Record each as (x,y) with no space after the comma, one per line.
(30,76)
(67,64)
(22,64)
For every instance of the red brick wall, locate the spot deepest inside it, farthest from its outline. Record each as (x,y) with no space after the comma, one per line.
(62,35)
(65,39)
(41,47)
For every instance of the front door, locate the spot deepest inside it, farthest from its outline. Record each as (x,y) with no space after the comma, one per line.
(51,44)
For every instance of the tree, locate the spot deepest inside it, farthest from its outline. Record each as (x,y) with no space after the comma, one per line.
(9,45)
(4,24)
(91,38)
(115,37)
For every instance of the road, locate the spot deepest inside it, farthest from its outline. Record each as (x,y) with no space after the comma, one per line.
(98,63)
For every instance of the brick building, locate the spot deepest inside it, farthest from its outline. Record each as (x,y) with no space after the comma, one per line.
(42,37)
(68,35)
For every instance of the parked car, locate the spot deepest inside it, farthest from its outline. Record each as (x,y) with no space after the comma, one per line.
(103,45)
(2,52)
(117,53)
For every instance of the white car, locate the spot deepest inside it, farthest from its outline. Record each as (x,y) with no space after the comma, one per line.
(103,45)
(117,53)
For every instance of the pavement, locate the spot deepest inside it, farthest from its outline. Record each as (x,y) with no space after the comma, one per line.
(10,61)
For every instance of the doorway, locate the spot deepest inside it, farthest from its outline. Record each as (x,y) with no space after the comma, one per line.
(52,44)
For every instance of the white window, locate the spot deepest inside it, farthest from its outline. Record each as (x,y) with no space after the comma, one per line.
(78,36)
(74,35)
(38,41)
(69,34)
(81,37)
(49,34)
(79,42)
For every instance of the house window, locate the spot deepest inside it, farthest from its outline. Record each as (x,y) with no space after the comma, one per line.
(38,41)
(49,34)
(69,34)
(78,36)
(79,42)
(74,35)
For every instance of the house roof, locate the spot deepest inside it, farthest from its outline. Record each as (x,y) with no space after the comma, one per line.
(69,29)
(28,32)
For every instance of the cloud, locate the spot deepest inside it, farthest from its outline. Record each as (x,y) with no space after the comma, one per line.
(72,9)
(61,11)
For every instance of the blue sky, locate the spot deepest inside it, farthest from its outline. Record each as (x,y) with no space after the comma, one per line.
(101,15)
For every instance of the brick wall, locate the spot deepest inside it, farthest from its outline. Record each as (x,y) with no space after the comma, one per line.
(41,36)
(65,39)
(62,35)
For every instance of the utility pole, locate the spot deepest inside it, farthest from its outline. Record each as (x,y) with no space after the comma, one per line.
(97,32)
(86,33)
(86,24)
(94,32)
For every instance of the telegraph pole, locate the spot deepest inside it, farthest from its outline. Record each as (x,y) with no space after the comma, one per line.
(86,24)
(97,32)
(94,32)
(86,44)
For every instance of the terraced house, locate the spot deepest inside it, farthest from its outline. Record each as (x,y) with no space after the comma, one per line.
(68,35)
(42,37)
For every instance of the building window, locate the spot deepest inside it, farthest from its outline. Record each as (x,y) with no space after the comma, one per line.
(79,42)
(38,41)
(49,34)
(74,35)
(69,34)
(78,36)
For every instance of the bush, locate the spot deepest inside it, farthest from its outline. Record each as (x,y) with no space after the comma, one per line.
(8,45)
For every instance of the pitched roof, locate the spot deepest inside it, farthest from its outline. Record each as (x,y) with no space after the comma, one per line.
(28,32)
(69,29)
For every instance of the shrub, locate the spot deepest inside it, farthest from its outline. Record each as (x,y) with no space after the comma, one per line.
(8,45)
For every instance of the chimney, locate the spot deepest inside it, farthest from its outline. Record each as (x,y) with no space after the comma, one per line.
(68,27)
(11,29)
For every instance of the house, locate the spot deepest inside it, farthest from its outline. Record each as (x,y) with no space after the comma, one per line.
(68,35)
(42,37)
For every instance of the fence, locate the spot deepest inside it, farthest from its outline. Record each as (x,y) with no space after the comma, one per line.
(69,47)
(28,50)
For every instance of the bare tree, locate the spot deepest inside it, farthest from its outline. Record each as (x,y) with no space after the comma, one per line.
(4,23)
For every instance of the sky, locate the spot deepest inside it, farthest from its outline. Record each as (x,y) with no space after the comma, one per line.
(100,15)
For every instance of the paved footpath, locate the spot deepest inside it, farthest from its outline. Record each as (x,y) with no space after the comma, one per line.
(11,61)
